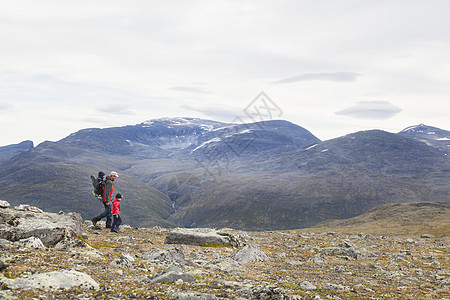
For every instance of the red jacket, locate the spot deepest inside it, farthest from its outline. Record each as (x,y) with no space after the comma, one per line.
(108,190)
(115,206)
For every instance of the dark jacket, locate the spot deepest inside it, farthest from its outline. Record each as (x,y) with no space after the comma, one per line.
(108,190)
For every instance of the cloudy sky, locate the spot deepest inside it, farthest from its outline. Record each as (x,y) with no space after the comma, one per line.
(333,67)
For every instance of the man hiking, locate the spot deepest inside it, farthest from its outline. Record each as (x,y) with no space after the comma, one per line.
(106,200)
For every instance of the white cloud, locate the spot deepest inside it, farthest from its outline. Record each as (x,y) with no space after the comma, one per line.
(333,76)
(65,58)
(378,110)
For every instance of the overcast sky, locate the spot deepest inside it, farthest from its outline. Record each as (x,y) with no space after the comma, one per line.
(332,67)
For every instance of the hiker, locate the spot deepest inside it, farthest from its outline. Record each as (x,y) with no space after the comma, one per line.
(106,200)
(116,213)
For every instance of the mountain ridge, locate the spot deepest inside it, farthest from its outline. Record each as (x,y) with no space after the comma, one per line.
(267,175)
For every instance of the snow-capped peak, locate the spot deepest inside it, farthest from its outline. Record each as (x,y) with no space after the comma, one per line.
(416,128)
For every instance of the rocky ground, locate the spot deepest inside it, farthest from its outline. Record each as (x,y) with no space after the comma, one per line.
(290,264)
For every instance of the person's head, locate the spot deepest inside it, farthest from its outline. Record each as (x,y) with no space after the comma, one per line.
(113,175)
(118,196)
(101,174)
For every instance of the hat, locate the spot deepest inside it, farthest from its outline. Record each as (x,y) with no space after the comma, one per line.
(119,196)
(113,173)
(101,174)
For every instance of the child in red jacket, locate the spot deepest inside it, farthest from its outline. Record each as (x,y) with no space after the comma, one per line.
(116,213)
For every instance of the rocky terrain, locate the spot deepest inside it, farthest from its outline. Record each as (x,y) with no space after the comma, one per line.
(72,259)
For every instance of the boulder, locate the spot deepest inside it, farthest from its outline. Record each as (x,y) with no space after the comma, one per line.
(224,264)
(346,251)
(4,204)
(204,237)
(27,221)
(306,285)
(250,253)
(173,274)
(52,280)
(31,242)
(3,265)
(170,256)
(4,244)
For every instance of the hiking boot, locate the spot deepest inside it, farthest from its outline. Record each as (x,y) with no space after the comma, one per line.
(114,230)
(94,223)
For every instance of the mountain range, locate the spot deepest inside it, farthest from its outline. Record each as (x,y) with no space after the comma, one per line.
(266,175)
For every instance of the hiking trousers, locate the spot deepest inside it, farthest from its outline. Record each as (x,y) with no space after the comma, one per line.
(106,213)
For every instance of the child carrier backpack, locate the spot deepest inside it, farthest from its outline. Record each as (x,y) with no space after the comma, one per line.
(98,184)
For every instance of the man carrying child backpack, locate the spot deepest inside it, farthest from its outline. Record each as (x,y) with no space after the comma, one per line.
(106,200)
(116,213)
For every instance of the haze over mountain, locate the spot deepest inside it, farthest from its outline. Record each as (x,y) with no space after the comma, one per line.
(266,175)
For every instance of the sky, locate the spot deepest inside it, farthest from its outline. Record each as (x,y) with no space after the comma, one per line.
(332,67)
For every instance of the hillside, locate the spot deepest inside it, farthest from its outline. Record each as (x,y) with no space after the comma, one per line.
(396,219)
(335,179)
(259,176)
(7,152)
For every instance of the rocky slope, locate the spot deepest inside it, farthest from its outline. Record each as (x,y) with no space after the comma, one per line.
(314,263)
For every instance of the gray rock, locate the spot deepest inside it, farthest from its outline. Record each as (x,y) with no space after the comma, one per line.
(250,253)
(306,285)
(318,259)
(26,207)
(204,236)
(335,287)
(5,244)
(172,274)
(350,252)
(190,296)
(427,236)
(31,242)
(7,295)
(295,263)
(4,204)
(267,293)
(127,257)
(52,280)
(69,243)
(170,256)
(122,263)
(224,264)
(3,266)
(26,221)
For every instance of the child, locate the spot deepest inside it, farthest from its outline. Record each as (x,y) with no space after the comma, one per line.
(116,213)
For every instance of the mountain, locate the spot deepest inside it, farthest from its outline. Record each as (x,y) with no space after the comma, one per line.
(334,179)
(7,152)
(55,175)
(431,136)
(191,172)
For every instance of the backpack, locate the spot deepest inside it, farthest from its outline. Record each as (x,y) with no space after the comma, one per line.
(98,184)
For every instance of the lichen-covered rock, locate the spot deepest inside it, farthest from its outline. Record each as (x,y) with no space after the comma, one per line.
(52,280)
(25,221)
(350,252)
(172,274)
(250,253)
(170,256)
(204,236)
(31,242)
(4,204)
